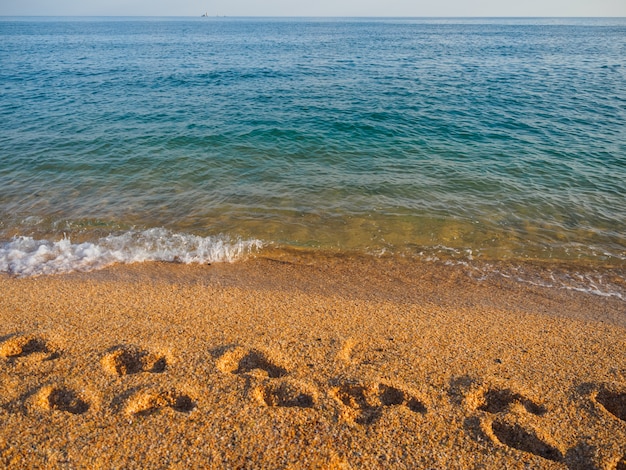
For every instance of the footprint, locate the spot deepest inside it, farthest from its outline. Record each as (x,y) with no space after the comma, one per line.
(62,399)
(23,345)
(613,402)
(527,440)
(511,426)
(244,361)
(498,401)
(357,408)
(150,401)
(390,396)
(588,456)
(285,394)
(123,360)
(364,405)
(345,352)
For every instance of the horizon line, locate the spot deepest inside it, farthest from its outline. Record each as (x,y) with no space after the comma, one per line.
(303,16)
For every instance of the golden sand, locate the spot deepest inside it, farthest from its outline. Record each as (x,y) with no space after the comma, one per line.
(336,363)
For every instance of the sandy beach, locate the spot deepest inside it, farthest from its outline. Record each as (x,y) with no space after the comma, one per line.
(293,363)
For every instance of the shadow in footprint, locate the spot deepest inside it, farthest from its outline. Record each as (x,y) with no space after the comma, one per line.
(354,398)
(123,360)
(183,404)
(149,402)
(515,436)
(473,426)
(585,456)
(367,405)
(62,399)
(497,401)
(390,396)
(613,402)
(459,387)
(243,361)
(285,394)
(20,346)
(257,360)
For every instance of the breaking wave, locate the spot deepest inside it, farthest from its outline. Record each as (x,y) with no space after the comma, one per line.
(25,256)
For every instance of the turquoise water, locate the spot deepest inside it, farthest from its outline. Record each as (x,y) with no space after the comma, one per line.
(130,139)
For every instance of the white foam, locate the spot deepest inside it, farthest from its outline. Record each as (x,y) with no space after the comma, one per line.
(25,256)
(591,283)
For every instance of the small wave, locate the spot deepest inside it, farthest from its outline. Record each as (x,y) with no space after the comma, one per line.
(25,256)
(606,282)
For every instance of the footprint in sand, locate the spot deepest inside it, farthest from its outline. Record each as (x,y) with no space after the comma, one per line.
(613,401)
(524,438)
(62,399)
(147,402)
(500,400)
(509,422)
(286,393)
(123,360)
(365,404)
(24,345)
(272,388)
(243,361)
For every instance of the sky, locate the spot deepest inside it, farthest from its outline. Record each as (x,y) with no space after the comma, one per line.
(412,8)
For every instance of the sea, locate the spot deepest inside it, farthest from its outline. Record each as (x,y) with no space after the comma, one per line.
(495,143)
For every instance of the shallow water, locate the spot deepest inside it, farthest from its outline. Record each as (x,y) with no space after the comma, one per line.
(450,139)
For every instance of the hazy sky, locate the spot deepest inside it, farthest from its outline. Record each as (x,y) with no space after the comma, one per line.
(316,7)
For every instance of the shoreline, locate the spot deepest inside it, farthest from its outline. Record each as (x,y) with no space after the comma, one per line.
(27,257)
(332,363)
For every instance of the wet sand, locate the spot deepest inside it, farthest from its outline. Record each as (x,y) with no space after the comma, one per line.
(294,363)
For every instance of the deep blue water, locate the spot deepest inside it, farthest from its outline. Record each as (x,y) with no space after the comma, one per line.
(154,138)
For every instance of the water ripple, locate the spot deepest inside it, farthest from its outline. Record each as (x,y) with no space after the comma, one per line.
(505,137)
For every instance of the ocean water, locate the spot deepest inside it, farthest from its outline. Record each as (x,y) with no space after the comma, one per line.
(204,139)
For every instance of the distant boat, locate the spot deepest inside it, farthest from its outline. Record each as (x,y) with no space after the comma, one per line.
(205,15)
